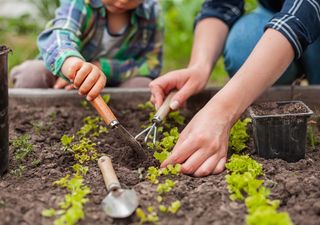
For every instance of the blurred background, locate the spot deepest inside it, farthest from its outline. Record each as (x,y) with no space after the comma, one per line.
(22,20)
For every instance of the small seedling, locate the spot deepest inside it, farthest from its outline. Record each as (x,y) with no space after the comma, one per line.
(166,187)
(22,147)
(106,98)
(36,162)
(19,171)
(177,117)
(146,106)
(53,115)
(151,217)
(243,163)
(71,209)
(312,126)
(38,126)
(84,104)
(239,135)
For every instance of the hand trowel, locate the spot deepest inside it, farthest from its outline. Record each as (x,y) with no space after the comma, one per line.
(119,203)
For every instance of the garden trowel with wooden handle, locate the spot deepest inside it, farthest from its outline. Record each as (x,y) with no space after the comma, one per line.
(110,119)
(119,203)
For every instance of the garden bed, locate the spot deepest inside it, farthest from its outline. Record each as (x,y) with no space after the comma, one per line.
(26,192)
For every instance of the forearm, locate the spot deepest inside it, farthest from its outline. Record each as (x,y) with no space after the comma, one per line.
(209,38)
(269,59)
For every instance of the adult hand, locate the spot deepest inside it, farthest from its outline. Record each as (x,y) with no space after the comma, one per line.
(187,81)
(203,144)
(87,77)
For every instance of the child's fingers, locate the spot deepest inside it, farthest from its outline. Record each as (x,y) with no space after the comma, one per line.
(60,83)
(89,82)
(69,87)
(71,66)
(82,74)
(97,88)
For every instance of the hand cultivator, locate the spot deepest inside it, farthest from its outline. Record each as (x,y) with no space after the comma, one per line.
(156,120)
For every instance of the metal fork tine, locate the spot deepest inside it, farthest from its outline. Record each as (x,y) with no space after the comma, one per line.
(154,135)
(149,132)
(142,132)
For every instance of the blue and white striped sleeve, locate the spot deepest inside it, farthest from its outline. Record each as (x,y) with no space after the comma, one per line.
(299,22)
(227,11)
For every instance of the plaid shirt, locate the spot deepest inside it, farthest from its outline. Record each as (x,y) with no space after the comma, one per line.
(77,30)
(297,20)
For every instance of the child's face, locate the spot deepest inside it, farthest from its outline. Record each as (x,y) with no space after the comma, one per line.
(120,6)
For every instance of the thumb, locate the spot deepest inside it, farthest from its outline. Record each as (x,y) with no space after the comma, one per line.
(181,96)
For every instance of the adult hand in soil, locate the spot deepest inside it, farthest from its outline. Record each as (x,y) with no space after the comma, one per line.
(187,81)
(87,77)
(202,145)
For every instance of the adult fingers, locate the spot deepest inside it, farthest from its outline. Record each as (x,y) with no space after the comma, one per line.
(97,88)
(182,95)
(181,152)
(82,73)
(220,166)
(195,161)
(207,166)
(157,95)
(89,82)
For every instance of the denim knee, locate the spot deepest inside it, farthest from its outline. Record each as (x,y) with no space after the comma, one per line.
(243,37)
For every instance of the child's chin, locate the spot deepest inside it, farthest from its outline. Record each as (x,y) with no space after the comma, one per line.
(113,9)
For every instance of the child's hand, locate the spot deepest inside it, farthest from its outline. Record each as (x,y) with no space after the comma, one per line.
(87,77)
(61,83)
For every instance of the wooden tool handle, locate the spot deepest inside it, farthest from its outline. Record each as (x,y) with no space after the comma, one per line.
(103,110)
(165,107)
(109,176)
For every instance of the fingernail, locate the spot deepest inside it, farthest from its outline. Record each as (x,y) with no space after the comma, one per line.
(80,93)
(89,98)
(174,105)
(55,87)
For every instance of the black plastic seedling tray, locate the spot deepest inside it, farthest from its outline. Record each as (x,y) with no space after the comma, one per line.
(281,135)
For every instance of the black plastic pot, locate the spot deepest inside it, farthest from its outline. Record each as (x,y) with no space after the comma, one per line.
(4,127)
(281,135)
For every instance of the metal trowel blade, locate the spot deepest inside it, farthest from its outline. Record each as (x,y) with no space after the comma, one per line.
(120,203)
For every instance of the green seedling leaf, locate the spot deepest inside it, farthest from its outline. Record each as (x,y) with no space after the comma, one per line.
(79,169)
(243,163)
(163,208)
(239,135)
(267,215)
(146,106)
(161,156)
(106,98)
(177,117)
(66,140)
(166,187)
(22,147)
(48,212)
(174,207)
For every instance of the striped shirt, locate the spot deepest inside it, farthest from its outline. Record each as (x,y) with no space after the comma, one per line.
(297,20)
(77,30)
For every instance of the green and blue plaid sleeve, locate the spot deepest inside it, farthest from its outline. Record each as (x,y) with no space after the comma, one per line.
(61,38)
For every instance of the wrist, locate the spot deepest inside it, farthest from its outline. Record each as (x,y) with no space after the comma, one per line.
(203,68)
(226,110)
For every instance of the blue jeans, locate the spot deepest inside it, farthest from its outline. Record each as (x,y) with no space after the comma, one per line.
(243,37)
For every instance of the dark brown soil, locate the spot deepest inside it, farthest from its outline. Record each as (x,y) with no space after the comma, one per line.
(275,108)
(204,200)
